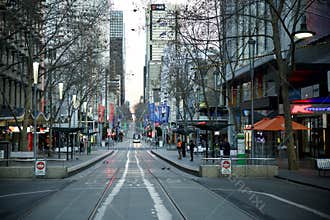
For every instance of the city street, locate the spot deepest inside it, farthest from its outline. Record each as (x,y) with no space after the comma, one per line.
(132,183)
(167,110)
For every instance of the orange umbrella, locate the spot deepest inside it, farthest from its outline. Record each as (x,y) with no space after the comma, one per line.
(259,123)
(277,124)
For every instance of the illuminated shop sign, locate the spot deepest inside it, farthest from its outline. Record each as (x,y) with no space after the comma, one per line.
(158,7)
(309,109)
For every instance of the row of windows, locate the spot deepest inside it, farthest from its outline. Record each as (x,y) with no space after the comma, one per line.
(243,26)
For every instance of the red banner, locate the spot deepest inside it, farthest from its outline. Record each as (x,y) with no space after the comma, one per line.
(112,112)
(100,112)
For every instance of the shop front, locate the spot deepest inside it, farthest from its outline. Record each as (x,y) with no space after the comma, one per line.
(315,114)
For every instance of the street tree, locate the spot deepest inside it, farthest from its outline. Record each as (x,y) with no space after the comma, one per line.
(285,17)
(203,32)
(49,32)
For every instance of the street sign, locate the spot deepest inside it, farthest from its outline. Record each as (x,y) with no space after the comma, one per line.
(226,167)
(240,148)
(40,168)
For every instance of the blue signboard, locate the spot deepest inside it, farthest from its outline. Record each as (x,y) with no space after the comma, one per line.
(151,109)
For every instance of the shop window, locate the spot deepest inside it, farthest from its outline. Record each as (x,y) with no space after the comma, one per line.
(310,91)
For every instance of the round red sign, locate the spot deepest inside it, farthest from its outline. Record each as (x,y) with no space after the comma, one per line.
(226,164)
(40,165)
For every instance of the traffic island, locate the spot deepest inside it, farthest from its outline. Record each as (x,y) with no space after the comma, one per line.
(53,172)
(50,171)
(214,171)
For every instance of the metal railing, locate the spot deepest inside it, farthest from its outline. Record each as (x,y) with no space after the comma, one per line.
(240,161)
(30,161)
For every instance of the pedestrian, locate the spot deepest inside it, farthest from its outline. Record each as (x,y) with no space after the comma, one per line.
(179,147)
(226,147)
(167,139)
(81,145)
(192,145)
(183,148)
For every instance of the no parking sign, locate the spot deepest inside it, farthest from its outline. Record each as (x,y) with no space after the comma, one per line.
(40,168)
(226,167)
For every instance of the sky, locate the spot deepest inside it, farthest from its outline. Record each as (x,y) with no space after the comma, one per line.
(135,43)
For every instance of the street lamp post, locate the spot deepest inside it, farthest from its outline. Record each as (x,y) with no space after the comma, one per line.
(35,82)
(251,43)
(86,131)
(74,101)
(303,33)
(60,89)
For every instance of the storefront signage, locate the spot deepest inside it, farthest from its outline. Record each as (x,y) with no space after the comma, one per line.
(309,109)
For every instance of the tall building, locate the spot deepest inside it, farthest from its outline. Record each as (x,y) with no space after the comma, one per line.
(21,43)
(160,20)
(18,34)
(117,75)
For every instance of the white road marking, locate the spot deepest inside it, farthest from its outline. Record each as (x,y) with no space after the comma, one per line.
(26,193)
(161,210)
(316,212)
(294,204)
(114,192)
(151,154)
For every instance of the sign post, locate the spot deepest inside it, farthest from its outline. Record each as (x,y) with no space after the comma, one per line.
(240,148)
(226,166)
(40,168)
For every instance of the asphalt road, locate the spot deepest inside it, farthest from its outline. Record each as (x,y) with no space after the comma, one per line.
(134,184)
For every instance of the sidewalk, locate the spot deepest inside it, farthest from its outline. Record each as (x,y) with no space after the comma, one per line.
(56,167)
(78,158)
(171,156)
(306,175)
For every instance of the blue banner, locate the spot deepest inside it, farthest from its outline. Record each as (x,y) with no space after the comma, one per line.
(164,113)
(151,109)
(157,114)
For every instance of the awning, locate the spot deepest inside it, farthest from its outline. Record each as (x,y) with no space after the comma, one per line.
(212,125)
(313,54)
(257,124)
(6,116)
(89,133)
(67,130)
(41,118)
(183,131)
(257,63)
(276,124)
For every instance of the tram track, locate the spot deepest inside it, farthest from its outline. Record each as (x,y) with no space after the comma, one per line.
(110,186)
(102,196)
(168,196)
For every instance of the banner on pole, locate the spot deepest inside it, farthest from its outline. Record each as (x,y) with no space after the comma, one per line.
(112,112)
(100,112)
(151,109)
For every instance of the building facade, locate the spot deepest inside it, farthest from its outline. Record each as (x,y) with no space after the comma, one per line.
(160,24)
(20,44)
(117,52)
(308,83)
